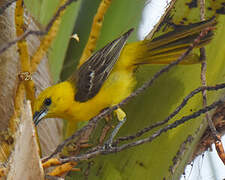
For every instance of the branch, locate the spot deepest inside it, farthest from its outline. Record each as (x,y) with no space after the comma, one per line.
(26,34)
(102,151)
(48,177)
(203,76)
(176,111)
(38,33)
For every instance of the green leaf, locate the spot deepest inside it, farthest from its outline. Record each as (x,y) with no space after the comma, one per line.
(59,47)
(82,28)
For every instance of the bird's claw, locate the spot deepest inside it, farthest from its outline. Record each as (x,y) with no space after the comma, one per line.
(107,145)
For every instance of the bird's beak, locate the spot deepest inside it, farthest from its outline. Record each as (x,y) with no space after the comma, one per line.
(39,115)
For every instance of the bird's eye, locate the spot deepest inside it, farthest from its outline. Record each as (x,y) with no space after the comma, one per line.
(47,101)
(35,114)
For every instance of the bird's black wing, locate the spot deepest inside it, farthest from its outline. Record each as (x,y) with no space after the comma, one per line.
(92,74)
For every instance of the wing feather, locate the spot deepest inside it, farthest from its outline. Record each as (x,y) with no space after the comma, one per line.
(92,74)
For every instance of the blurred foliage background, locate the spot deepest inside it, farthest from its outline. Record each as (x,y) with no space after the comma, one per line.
(159,159)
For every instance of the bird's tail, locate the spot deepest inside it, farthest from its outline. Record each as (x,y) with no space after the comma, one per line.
(168,47)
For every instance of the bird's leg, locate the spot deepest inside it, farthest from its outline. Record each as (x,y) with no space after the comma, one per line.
(121,116)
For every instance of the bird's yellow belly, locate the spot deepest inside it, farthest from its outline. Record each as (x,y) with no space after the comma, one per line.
(118,86)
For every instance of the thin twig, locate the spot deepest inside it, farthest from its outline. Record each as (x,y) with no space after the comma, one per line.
(26,34)
(102,151)
(5,6)
(202,10)
(134,94)
(38,33)
(57,14)
(176,111)
(94,120)
(48,177)
(203,76)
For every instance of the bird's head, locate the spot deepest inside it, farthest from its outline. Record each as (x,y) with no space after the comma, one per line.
(55,101)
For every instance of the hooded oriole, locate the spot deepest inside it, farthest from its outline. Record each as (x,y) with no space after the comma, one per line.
(107,77)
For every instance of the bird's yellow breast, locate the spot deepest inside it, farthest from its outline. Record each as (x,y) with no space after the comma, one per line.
(117,87)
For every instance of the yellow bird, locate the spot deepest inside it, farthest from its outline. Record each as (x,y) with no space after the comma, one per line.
(107,77)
